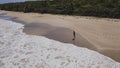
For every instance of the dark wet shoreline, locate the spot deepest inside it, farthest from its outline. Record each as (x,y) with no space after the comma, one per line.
(57,33)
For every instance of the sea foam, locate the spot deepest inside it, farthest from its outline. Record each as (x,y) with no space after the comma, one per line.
(19,50)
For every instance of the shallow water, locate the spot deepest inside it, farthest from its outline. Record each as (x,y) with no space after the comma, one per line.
(7,17)
(61,34)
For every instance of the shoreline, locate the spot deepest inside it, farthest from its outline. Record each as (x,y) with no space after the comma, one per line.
(32,51)
(56,33)
(102,33)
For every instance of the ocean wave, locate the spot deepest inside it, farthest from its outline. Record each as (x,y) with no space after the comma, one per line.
(19,50)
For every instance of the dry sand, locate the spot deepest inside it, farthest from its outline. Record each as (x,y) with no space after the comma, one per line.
(102,34)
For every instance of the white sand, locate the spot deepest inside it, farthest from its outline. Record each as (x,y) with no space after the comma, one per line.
(19,50)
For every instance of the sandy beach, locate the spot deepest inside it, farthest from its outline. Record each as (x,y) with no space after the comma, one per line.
(21,50)
(100,34)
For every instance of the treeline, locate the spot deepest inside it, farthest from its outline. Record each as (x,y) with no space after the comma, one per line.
(99,8)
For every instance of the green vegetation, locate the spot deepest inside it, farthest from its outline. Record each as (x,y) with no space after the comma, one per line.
(99,8)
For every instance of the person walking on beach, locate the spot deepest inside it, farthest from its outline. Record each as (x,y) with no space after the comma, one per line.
(74,36)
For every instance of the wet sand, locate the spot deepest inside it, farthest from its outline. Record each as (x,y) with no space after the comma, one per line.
(102,35)
(57,33)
